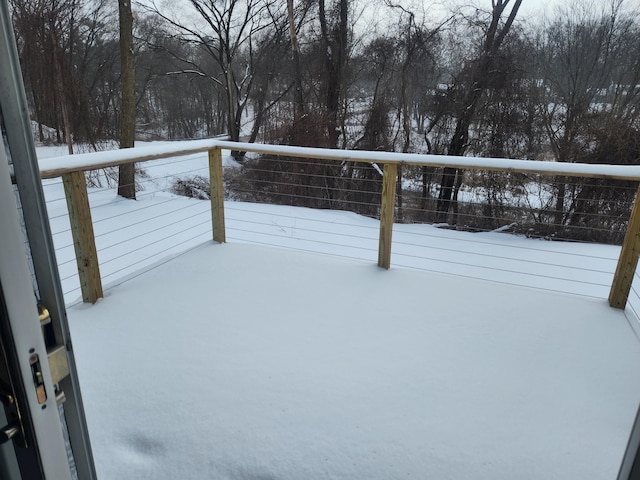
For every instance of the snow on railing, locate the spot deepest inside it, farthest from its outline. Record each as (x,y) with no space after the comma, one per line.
(326,185)
(57,166)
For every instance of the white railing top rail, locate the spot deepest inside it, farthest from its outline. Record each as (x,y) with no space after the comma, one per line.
(57,166)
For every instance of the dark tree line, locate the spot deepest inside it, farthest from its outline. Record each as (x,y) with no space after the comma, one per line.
(69,56)
(321,73)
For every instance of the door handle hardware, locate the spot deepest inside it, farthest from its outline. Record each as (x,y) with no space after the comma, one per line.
(15,429)
(43,315)
(8,432)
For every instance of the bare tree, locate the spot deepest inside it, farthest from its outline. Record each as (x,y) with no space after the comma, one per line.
(414,49)
(233,29)
(47,30)
(67,50)
(591,71)
(484,70)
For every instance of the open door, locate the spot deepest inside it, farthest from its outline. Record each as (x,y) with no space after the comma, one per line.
(31,432)
(43,432)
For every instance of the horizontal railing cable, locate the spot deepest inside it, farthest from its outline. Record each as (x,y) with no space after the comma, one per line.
(231,207)
(501,257)
(299,229)
(317,242)
(503,282)
(480,241)
(153,230)
(160,252)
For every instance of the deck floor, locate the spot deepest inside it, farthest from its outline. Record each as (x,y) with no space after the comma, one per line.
(243,362)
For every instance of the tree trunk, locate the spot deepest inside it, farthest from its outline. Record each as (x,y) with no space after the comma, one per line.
(335,58)
(559,213)
(126,173)
(457,147)
(425,188)
(298,96)
(59,86)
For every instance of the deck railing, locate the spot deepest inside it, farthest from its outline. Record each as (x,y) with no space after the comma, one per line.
(72,170)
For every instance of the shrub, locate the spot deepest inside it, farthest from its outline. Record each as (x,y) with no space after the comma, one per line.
(196,186)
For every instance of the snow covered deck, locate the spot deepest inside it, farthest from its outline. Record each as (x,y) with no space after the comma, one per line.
(243,362)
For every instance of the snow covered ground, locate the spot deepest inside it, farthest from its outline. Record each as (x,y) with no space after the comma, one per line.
(243,361)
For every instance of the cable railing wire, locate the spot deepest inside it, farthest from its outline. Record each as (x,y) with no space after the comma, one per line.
(633,304)
(119,216)
(307,175)
(308,197)
(461,239)
(150,219)
(319,242)
(137,262)
(230,207)
(301,229)
(155,242)
(518,209)
(154,230)
(137,210)
(264,182)
(160,241)
(504,270)
(500,282)
(501,257)
(158,263)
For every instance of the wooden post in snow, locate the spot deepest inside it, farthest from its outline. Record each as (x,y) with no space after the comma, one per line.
(84,242)
(628,260)
(217,195)
(387,213)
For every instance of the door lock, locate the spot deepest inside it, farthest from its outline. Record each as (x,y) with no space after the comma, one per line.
(38,378)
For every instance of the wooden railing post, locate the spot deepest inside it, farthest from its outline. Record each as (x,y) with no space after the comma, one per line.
(217,195)
(387,211)
(628,260)
(84,243)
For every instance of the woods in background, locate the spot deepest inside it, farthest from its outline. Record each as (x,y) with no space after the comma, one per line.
(342,74)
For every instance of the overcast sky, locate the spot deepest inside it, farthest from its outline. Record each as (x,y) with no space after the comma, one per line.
(528,7)
(375,16)
(537,6)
